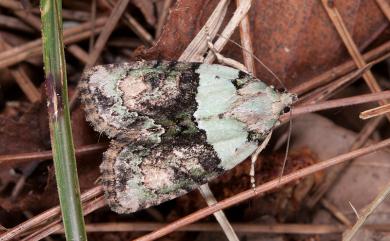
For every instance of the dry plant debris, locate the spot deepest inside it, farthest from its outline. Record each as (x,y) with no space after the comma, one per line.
(307,44)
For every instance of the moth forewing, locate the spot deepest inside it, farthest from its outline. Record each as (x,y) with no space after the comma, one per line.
(174,125)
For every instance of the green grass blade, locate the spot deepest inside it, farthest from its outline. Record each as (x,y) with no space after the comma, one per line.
(59,120)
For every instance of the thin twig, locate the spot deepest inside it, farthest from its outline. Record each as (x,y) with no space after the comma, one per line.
(134,25)
(10,4)
(354,210)
(14,24)
(340,70)
(124,42)
(34,48)
(220,215)
(35,22)
(335,86)
(198,46)
(26,16)
(47,216)
(226,61)
(26,172)
(241,11)
(256,228)
(112,21)
(45,231)
(336,212)
(93,20)
(353,50)
(380,110)
(28,214)
(342,102)
(246,42)
(384,5)
(109,26)
(330,89)
(162,17)
(367,212)
(78,52)
(22,158)
(42,233)
(19,74)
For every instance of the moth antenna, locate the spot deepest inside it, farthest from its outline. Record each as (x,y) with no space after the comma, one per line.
(287,147)
(256,58)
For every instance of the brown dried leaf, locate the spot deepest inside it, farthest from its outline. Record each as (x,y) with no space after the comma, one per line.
(25,129)
(185,20)
(21,129)
(296,39)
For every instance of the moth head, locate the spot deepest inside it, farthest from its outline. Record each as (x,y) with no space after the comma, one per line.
(286,100)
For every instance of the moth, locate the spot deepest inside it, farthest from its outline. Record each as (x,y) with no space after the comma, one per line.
(174,125)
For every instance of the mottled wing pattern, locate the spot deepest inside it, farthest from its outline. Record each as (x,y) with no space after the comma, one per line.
(135,177)
(125,100)
(174,125)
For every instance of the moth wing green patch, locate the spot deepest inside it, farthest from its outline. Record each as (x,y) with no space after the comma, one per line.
(233,107)
(229,138)
(215,92)
(216,95)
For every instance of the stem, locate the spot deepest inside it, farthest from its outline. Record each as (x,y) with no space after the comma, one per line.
(59,120)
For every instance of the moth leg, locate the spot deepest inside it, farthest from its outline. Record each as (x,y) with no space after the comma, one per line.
(223,60)
(254,158)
